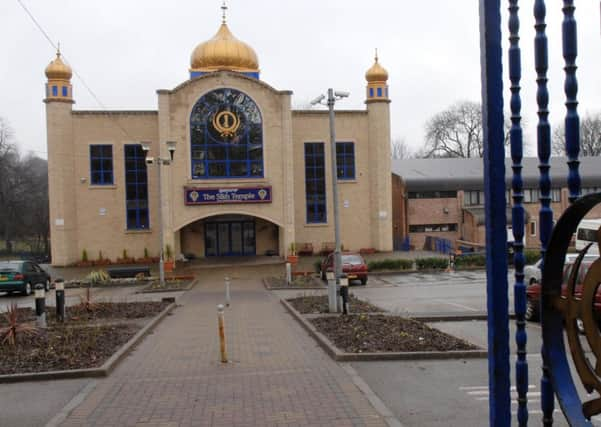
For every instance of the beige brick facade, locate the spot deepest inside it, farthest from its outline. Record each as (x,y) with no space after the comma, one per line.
(92,218)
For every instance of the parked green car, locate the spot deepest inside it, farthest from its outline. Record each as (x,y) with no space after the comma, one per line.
(22,276)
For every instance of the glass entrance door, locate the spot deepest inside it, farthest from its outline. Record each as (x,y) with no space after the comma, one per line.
(232,238)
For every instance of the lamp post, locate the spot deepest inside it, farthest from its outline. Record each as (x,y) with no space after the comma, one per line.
(160,161)
(333,288)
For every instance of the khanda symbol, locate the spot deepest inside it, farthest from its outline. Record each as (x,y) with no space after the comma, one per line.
(226,123)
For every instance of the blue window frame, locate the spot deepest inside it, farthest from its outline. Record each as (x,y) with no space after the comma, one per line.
(379,92)
(65,91)
(136,188)
(371,92)
(101,164)
(315,183)
(226,131)
(54,90)
(345,160)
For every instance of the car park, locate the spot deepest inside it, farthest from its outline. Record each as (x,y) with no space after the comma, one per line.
(353,265)
(22,276)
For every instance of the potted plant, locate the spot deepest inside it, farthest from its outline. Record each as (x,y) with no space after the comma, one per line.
(168,263)
(292,256)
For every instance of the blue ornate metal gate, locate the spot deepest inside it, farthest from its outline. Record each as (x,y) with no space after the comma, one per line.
(557,311)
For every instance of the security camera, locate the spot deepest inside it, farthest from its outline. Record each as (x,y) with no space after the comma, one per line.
(318,99)
(149,160)
(341,94)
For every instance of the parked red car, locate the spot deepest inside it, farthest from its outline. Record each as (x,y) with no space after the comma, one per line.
(353,265)
(534,289)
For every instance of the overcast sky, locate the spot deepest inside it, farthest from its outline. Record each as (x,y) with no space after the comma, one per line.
(125,50)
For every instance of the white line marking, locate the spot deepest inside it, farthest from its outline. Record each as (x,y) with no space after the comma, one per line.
(465,307)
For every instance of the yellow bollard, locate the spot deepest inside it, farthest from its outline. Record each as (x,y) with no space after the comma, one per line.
(221,333)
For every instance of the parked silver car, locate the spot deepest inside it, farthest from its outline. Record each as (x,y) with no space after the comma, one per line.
(533,274)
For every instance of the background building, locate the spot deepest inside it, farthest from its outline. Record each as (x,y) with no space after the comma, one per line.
(250,175)
(445,198)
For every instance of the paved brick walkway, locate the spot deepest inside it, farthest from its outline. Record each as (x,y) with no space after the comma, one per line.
(277,375)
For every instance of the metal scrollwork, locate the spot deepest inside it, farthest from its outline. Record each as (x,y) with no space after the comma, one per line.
(566,308)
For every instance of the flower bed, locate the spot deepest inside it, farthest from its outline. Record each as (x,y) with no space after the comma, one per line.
(369,333)
(91,334)
(314,304)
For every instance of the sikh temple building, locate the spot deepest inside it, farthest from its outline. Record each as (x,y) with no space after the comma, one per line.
(249,174)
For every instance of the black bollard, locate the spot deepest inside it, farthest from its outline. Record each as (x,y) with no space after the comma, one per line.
(59,287)
(344,293)
(40,306)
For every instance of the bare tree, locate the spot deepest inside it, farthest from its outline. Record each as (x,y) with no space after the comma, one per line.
(399,149)
(23,195)
(590,136)
(455,132)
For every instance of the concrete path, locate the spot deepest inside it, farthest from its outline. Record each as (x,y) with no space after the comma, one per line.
(277,375)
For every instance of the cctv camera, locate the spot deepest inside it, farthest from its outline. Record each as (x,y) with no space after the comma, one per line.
(149,160)
(341,94)
(318,99)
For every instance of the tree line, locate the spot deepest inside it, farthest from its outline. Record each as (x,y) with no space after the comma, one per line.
(24,215)
(457,132)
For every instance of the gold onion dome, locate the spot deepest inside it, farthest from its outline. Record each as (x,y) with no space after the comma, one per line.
(377,73)
(58,70)
(224,52)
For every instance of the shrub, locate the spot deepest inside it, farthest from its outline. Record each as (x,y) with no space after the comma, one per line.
(84,256)
(124,253)
(470,260)
(98,276)
(431,263)
(100,258)
(146,253)
(317,265)
(9,333)
(390,264)
(531,256)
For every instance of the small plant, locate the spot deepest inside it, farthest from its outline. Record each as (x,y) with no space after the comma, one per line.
(293,249)
(124,253)
(317,265)
(168,252)
(84,256)
(146,253)
(9,333)
(86,301)
(100,257)
(97,277)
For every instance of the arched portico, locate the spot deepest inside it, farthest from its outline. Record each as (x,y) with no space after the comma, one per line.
(232,234)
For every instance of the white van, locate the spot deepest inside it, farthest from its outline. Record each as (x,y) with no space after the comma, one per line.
(587,233)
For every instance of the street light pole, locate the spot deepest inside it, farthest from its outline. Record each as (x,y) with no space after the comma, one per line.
(333,303)
(160,161)
(334,287)
(160,220)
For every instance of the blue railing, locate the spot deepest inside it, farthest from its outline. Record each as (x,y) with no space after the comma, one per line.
(493,124)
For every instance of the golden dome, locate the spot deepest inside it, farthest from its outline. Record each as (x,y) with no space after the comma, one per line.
(377,73)
(58,70)
(224,52)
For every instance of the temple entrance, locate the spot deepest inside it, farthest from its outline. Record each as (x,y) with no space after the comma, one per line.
(230,238)
(230,235)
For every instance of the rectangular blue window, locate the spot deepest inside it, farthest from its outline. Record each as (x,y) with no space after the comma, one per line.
(65,91)
(101,164)
(54,90)
(136,188)
(379,92)
(315,183)
(345,160)
(371,92)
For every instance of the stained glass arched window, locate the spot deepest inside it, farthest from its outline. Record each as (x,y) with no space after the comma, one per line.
(226,131)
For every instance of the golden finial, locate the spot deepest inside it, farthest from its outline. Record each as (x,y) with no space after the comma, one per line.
(376,58)
(224,9)
(58,49)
